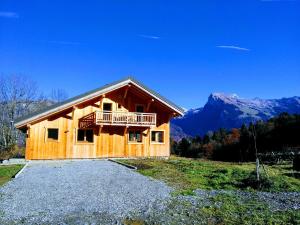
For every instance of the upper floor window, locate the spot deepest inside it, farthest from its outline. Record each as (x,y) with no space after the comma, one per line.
(135,136)
(157,136)
(52,134)
(107,107)
(139,108)
(85,135)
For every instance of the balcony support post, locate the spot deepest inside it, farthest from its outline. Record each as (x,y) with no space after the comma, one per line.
(125,141)
(100,130)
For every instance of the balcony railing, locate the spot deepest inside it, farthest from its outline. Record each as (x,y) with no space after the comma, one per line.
(125,118)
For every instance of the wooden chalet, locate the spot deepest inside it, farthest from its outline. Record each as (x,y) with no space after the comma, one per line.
(122,119)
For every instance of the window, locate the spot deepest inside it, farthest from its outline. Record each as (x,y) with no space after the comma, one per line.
(107,107)
(119,106)
(135,136)
(80,135)
(84,135)
(157,136)
(139,108)
(53,134)
(89,136)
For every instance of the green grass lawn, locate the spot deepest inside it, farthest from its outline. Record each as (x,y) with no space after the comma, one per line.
(186,175)
(8,171)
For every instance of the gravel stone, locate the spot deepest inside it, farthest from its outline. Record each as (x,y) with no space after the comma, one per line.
(49,190)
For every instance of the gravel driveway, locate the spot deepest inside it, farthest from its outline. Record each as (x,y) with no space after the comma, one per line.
(56,191)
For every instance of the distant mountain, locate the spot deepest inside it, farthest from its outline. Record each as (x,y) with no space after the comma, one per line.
(230,111)
(177,133)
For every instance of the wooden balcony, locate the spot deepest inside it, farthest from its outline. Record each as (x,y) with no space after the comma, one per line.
(118,119)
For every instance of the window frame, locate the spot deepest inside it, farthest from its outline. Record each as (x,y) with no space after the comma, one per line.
(84,137)
(135,142)
(52,139)
(156,142)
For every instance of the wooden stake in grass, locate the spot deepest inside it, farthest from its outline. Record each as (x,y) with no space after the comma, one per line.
(256,152)
(257,169)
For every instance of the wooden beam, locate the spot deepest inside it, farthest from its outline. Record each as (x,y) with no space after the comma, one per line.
(95,105)
(28,131)
(149,141)
(149,104)
(126,91)
(125,141)
(100,130)
(100,101)
(45,134)
(170,116)
(67,117)
(73,127)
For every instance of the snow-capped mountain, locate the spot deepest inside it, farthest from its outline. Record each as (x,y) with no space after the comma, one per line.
(230,111)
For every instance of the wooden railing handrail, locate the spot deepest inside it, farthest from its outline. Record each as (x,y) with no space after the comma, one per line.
(121,118)
(120,112)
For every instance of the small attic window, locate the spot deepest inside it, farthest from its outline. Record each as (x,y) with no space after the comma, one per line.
(107,107)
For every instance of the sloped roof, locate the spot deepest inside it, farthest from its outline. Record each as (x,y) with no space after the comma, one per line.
(94,93)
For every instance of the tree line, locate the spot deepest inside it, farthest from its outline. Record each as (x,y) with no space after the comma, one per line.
(280,134)
(19,96)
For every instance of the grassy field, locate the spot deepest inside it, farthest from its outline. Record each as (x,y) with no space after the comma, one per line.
(8,171)
(186,175)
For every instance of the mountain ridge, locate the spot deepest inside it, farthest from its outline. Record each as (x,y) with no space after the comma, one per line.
(230,111)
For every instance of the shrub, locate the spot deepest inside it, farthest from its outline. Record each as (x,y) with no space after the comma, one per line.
(264,183)
(3,155)
(13,152)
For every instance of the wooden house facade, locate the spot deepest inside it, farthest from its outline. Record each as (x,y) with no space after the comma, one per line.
(122,119)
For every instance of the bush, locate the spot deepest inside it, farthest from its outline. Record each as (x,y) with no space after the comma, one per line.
(264,183)
(3,155)
(13,152)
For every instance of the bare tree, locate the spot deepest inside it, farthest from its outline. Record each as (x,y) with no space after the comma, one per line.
(18,95)
(58,95)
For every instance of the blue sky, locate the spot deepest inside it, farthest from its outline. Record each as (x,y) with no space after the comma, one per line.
(183,49)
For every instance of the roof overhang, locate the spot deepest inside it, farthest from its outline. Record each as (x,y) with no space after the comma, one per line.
(91,95)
